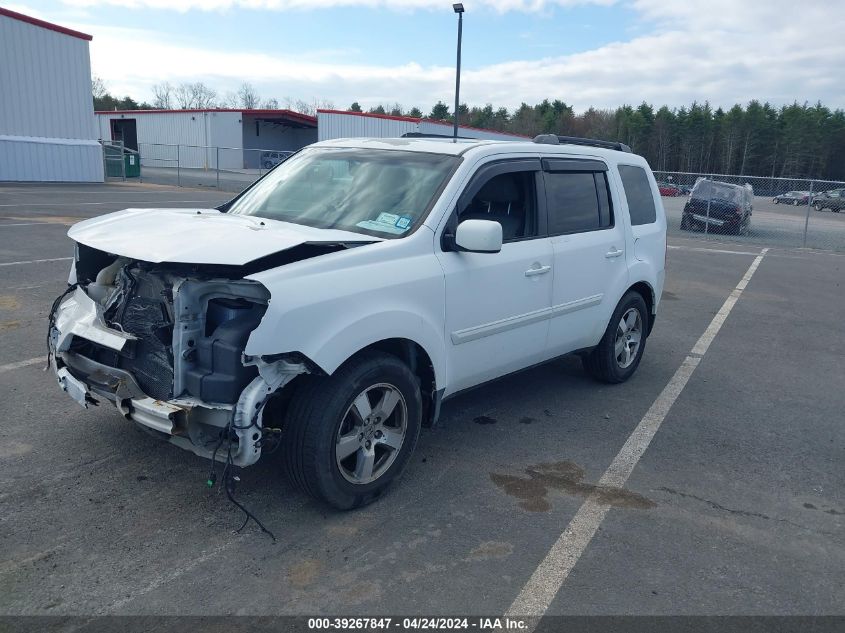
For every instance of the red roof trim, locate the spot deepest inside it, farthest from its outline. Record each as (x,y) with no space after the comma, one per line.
(372,115)
(290,114)
(44,25)
(409,119)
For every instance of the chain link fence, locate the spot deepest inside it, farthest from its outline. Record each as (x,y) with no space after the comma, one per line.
(791,212)
(224,168)
(763,211)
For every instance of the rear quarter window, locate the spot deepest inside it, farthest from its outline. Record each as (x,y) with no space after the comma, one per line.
(638,192)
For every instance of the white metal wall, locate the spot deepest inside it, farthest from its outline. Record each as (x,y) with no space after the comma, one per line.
(351,125)
(47,127)
(159,134)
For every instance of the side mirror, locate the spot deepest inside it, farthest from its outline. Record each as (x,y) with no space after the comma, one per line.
(479,236)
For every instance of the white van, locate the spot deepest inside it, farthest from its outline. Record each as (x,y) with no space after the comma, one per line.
(331,307)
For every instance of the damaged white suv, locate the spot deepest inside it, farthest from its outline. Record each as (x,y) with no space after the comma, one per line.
(332,306)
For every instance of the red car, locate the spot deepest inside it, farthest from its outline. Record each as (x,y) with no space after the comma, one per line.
(670,190)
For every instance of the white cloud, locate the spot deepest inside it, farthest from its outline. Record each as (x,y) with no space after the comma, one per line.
(701,50)
(501,6)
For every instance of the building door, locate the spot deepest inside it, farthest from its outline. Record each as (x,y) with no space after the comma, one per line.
(125,130)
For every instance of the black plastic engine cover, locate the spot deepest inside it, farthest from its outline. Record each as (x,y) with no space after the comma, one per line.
(217,373)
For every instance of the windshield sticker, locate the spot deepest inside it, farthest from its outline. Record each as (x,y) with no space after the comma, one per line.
(387,223)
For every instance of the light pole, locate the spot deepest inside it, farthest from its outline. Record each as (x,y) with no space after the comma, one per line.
(459,9)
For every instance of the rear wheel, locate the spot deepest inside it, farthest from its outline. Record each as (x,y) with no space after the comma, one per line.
(618,354)
(349,435)
(817,206)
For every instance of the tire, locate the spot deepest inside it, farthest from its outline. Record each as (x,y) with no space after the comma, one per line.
(776,201)
(325,409)
(603,363)
(794,203)
(817,206)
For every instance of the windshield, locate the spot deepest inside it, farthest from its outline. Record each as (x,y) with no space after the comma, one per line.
(705,189)
(386,193)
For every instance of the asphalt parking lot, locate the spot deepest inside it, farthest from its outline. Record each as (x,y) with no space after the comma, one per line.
(735,507)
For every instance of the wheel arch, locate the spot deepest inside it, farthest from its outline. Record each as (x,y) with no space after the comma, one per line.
(421,365)
(646,291)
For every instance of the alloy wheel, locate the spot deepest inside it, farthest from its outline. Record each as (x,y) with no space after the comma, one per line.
(628,336)
(371,433)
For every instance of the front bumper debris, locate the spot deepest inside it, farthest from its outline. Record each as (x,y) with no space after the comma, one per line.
(187,422)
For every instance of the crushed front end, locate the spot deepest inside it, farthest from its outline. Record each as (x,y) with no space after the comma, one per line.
(164,344)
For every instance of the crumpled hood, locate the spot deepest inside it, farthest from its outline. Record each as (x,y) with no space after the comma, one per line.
(199,236)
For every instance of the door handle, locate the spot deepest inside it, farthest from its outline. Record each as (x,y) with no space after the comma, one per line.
(539,270)
(614,253)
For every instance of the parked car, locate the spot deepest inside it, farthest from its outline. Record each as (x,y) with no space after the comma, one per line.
(362,283)
(271,159)
(669,189)
(718,207)
(833,200)
(792,197)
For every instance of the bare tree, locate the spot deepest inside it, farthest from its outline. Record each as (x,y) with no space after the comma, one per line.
(303,107)
(204,97)
(98,87)
(271,104)
(230,100)
(182,94)
(163,96)
(248,96)
(195,96)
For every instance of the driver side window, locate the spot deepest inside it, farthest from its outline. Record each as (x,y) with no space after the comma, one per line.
(510,200)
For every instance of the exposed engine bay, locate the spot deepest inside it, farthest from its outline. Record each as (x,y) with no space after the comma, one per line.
(165,344)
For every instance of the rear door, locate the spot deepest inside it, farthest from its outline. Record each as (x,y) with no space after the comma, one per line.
(588,242)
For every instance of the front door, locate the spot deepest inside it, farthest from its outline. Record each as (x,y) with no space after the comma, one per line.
(497,304)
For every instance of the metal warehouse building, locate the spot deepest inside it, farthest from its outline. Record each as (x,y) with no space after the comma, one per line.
(339,124)
(232,139)
(47,127)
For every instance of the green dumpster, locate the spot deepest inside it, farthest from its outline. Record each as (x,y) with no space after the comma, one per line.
(131,163)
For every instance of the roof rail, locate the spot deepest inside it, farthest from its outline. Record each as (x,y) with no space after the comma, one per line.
(554,139)
(426,135)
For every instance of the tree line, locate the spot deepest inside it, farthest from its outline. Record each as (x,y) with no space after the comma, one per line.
(758,139)
(797,140)
(197,95)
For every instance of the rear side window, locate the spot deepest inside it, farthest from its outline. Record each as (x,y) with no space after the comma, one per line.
(577,202)
(639,194)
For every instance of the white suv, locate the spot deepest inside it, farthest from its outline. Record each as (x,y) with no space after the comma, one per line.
(331,307)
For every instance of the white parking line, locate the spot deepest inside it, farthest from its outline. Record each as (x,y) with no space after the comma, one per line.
(37,261)
(22,363)
(547,579)
(88,204)
(3,226)
(700,249)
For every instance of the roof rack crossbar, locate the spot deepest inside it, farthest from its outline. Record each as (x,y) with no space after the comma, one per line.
(555,139)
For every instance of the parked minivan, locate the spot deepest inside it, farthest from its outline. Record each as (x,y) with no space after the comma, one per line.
(331,307)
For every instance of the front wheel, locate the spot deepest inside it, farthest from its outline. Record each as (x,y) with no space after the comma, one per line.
(817,206)
(349,435)
(618,354)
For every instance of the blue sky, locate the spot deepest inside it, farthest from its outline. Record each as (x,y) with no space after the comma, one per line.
(586,52)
